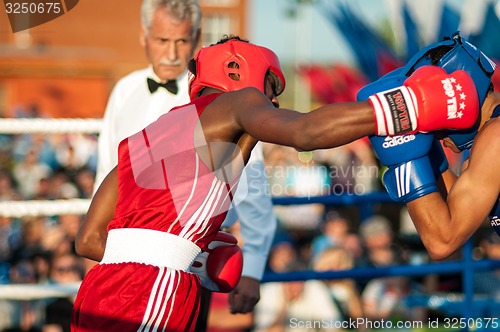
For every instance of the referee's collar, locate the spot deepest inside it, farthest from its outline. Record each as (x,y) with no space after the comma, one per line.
(151,74)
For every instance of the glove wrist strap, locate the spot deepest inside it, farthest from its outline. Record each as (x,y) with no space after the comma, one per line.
(395,111)
(410,180)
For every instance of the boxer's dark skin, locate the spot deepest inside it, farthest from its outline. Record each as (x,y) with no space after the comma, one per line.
(242,117)
(239,119)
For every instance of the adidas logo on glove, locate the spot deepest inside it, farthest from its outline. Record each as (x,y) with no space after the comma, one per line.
(392,141)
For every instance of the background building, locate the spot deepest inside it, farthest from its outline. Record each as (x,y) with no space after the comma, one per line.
(67,67)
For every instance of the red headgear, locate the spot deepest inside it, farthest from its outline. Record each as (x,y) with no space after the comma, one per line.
(253,63)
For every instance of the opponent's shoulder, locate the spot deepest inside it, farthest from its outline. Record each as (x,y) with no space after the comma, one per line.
(486,146)
(490,133)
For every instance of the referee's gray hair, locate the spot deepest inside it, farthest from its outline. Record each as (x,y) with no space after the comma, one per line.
(179,9)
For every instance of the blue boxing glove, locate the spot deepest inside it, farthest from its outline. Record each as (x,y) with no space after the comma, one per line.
(409,174)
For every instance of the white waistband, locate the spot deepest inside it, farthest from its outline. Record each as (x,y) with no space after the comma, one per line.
(128,245)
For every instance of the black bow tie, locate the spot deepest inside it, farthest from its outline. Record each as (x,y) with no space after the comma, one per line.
(170,85)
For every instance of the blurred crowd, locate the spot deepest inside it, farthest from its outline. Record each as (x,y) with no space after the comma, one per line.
(40,250)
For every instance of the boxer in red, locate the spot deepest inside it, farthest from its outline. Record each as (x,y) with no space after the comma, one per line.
(154,222)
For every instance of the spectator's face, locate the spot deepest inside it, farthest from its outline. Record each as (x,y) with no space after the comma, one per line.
(5,221)
(337,228)
(169,45)
(281,256)
(378,241)
(65,270)
(23,273)
(33,231)
(70,223)
(5,183)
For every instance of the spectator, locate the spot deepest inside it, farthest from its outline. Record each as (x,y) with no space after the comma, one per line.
(343,292)
(84,181)
(24,315)
(283,304)
(8,187)
(488,282)
(65,269)
(282,254)
(29,172)
(7,239)
(382,297)
(31,237)
(61,186)
(60,238)
(75,152)
(381,248)
(335,230)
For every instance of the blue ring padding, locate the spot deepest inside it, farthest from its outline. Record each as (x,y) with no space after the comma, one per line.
(378,272)
(345,199)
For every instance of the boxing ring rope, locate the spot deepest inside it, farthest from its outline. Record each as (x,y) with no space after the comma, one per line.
(14,126)
(49,126)
(34,292)
(17,209)
(364,202)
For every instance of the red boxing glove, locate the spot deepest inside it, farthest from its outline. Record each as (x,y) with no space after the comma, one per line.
(219,265)
(429,100)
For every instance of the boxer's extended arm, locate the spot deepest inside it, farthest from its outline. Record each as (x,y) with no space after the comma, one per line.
(340,123)
(92,235)
(445,226)
(252,112)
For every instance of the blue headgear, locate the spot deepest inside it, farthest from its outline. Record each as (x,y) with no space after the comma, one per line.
(458,54)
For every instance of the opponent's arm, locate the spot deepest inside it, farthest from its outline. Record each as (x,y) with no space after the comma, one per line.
(445,182)
(444,226)
(91,237)
(445,178)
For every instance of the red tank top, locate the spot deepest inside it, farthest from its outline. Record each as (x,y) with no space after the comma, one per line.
(164,185)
